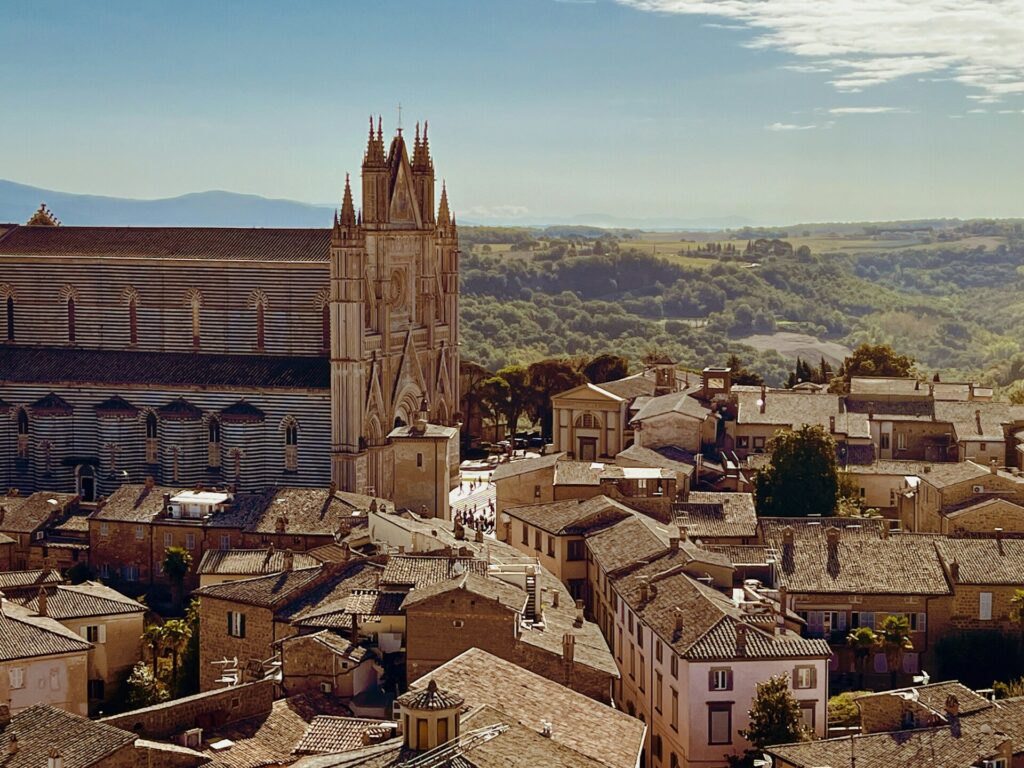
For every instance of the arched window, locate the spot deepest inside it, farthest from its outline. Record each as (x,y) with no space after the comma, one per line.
(133,321)
(194,302)
(152,446)
(213,442)
(291,444)
(71,320)
(587,421)
(10,318)
(325,327)
(261,337)
(22,433)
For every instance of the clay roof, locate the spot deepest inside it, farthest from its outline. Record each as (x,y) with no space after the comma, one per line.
(934,696)
(637,456)
(637,385)
(907,386)
(51,404)
(958,745)
(946,473)
(308,510)
(251,562)
(602,734)
(786,408)
(709,617)
(80,741)
(166,369)
(523,466)
(333,642)
(978,420)
(432,697)
(329,734)
(422,571)
(337,582)
(674,402)
(625,543)
(242,412)
(185,243)
(263,591)
(11,581)
(572,516)
(25,635)
(986,561)
(25,514)
(433,431)
(489,588)
(862,562)
(135,503)
(742,554)
(363,604)
(75,601)
(578,473)
(706,514)
(269,739)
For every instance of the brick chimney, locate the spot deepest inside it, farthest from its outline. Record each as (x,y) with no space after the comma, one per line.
(281,524)
(568,648)
(578,622)
(165,510)
(41,602)
(673,543)
(952,706)
(999,540)
(12,744)
(554,599)
(645,593)
(832,535)
(763,402)
(992,467)
(288,560)
(788,535)
(331,490)
(977,421)
(150,482)
(679,619)
(741,639)
(954,571)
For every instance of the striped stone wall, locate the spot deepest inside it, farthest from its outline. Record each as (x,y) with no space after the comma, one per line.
(83,436)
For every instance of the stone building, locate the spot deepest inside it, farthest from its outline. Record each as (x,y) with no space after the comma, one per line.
(250,357)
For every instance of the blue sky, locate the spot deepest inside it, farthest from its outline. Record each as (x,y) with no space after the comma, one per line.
(539,109)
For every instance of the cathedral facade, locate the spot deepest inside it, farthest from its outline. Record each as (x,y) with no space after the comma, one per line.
(245,357)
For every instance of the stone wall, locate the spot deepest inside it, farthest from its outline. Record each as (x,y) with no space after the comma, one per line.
(204,710)
(215,643)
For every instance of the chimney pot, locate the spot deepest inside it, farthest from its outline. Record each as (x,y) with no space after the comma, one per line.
(788,535)
(289,560)
(679,619)
(954,571)
(741,639)
(554,599)
(41,602)
(832,535)
(12,744)
(952,706)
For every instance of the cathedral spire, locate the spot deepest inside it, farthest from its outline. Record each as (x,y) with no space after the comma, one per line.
(443,216)
(348,212)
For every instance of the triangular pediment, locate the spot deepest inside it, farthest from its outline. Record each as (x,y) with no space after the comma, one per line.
(589,392)
(403,206)
(410,371)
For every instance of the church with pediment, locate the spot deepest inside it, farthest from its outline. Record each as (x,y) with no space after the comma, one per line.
(224,356)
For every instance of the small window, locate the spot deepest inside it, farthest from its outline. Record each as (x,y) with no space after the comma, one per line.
(883,441)
(576,550)
(658,691)
(458,623)
(720,679)
(807,712)
(536,540)
(236,624)
(71,321)
(675,709)
(551,546)
(225,541)
(719,723)
(674,664)
(168,540)
(95,689)
(526,534)
(10,318)
(985,606)
(742,442)
(657,650)
(901,441)
(325,327)
(16,677)
(133,322)
(536,491)
(419,459)
(804,678)
(190,541)
(140,532)
(981,447)
(131,573)
(758,444)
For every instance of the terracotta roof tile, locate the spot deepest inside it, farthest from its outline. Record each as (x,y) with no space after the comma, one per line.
(17,581)
(227,244)
(329,734)
(984,561)
(23,634)
(25,514)
(573,516)
(80,741)
(74,601)
(250,562)
(712,515)
(422,571)
(489,588)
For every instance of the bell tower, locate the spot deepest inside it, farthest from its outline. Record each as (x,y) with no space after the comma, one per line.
(348,380)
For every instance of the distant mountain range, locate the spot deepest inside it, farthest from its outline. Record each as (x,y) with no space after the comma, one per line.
(199,209)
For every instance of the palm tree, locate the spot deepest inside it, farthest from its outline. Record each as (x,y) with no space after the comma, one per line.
(176,633)
(153,637)
(895,641)
(177,563)
(862,640)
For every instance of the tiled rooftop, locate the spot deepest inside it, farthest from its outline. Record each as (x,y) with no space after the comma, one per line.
(602,734)
(28,581)
(329,734)
(422,571)
(987,561)
(572,516)
(477,584)
(708,514)
(250,562)
(24,635)
(73,601)
(578,473)
(523,466)
(24,514)
(625,543)
(40,728)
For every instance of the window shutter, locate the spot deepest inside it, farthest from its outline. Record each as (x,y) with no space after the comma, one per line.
(922,622)
(711,680)
(241,627)
(229,622)
(728,680)
(103,633)
(814,677)
(84,631)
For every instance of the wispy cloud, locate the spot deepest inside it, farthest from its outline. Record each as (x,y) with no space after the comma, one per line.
(496,211)
(864,110)
(789,127)
(978,43)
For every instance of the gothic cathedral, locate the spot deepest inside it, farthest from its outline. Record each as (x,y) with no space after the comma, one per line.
(221,356)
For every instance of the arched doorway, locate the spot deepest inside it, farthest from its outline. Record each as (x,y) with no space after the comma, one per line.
(85,482)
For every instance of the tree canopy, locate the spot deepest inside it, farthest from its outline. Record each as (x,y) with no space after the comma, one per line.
(802,477)
(775,718)
(871,360)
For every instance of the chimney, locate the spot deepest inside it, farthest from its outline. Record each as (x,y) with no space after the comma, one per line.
(12,744)
(787,535)
(554,599)
(883,530)
(952,706)
(578,622)
(280,524)
(679,619)
(763,402)
(289,560)
(478,537)
(831,423)
(999,540)
(682,534)
(5,715)
(332,489)
(41,602)
(992,467)
(977,420)
(954,571)
(644,591)
(741,639)
(401,549)
(568,647)
(150,482)
(346,551)
(832,535)
(166,509)
(673,543)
